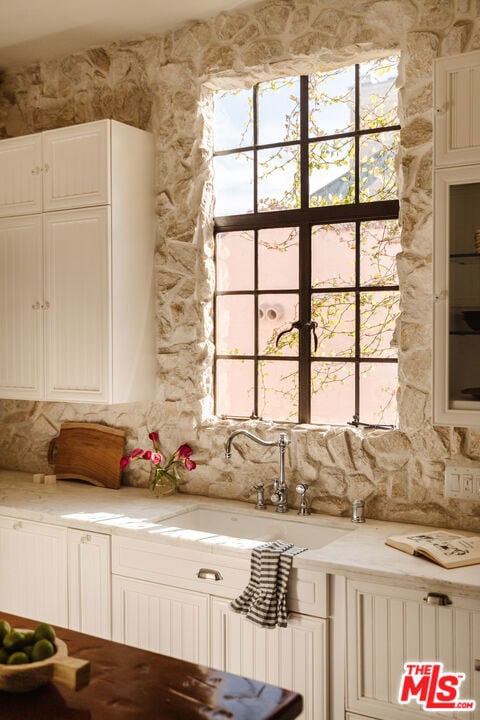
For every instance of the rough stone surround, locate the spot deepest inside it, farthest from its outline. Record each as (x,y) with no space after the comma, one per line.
(164,83)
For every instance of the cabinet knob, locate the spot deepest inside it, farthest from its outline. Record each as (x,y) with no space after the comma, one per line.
(207,574)
(437,599)
(17,525)
(86,538)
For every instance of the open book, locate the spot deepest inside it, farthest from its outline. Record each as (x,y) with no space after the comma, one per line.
(444,548)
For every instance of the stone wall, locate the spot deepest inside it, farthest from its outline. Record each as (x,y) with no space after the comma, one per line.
(164,83)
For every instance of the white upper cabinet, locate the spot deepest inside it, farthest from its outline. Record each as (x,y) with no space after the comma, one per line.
(457,109)
(76,272)
(57,169)
(76,166)
(456,249)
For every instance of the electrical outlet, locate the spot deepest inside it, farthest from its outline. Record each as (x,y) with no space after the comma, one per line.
(462,481)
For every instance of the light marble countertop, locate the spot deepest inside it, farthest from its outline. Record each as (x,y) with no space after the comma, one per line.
(359,551)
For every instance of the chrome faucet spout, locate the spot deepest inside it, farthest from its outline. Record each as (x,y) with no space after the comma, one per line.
(279,496)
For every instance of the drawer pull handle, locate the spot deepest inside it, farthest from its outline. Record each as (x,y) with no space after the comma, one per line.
(207,574)
(85,538)
(437,599)
(477,664)
(17,525)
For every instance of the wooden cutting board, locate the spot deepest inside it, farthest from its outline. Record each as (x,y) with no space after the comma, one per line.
(89,452)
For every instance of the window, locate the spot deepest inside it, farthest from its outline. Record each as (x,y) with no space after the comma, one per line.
(306,235)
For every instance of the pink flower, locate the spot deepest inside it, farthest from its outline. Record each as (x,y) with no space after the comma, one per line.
(124,462)
(184,451)
(189,464)
(156,458)
(136,453)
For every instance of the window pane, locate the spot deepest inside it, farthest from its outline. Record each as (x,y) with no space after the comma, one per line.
(278,259)
(278,103)
(233,183)
(378,179)
(234,325)
(234,387)
(378,389)
(333,255)
(331,99)
(379,246)
(378,94)
(278,390)
(235,260)
(333,393)
(233,126)
(332,180)
(334,314)
(278,178)
(275,314)
(378,312)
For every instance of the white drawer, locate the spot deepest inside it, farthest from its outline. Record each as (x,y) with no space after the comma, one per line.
(210,573)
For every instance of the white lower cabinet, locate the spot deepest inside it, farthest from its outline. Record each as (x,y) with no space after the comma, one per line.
(161,619)
(293,657)
(388,626)
(33,570)
(55,574)
(89,583)
(175,601)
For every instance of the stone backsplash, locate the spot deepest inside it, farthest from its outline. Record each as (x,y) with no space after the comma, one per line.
(164,83)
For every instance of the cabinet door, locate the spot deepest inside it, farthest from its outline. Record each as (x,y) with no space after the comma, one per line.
(294,657)
(77,305)
(77,166)
(161,619)
(21,175)
(21,308)
(457,109)
(390,626)
(456,371)
(33,570)
(89,586)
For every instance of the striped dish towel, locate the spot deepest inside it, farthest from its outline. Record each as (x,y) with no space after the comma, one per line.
(264,600)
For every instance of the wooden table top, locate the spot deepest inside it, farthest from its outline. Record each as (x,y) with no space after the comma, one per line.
(131,684)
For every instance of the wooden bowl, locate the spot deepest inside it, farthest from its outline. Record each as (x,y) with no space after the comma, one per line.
(73,672)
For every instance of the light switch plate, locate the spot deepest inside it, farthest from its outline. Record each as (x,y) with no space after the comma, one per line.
(462,481)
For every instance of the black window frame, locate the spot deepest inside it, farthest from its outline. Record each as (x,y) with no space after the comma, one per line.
(305,218)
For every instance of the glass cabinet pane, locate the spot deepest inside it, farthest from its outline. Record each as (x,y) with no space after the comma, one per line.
(457,297)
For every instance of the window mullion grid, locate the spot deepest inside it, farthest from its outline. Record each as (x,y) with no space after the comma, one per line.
(256,329)
(255,149)
(356,414)
(304,269)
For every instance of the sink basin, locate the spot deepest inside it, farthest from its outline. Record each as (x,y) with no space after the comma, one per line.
(304,533)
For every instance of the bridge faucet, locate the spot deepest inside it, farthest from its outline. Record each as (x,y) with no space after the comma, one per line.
(279,496)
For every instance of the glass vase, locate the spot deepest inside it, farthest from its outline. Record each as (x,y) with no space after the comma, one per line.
(160,483)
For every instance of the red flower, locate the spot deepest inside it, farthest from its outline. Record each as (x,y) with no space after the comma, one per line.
(136,453)
(124,462)
(184,451)
(154,438)
(190,464)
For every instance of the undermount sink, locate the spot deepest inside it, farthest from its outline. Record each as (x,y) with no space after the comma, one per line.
(303,533)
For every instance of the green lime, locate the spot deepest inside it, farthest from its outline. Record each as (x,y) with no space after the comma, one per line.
(18,658)
(42,650)
(30,637)
(44,631)
(5,628)
(28,650)
(13,640)
(3,656)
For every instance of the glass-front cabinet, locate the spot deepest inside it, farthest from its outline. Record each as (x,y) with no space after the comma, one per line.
(456,397)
